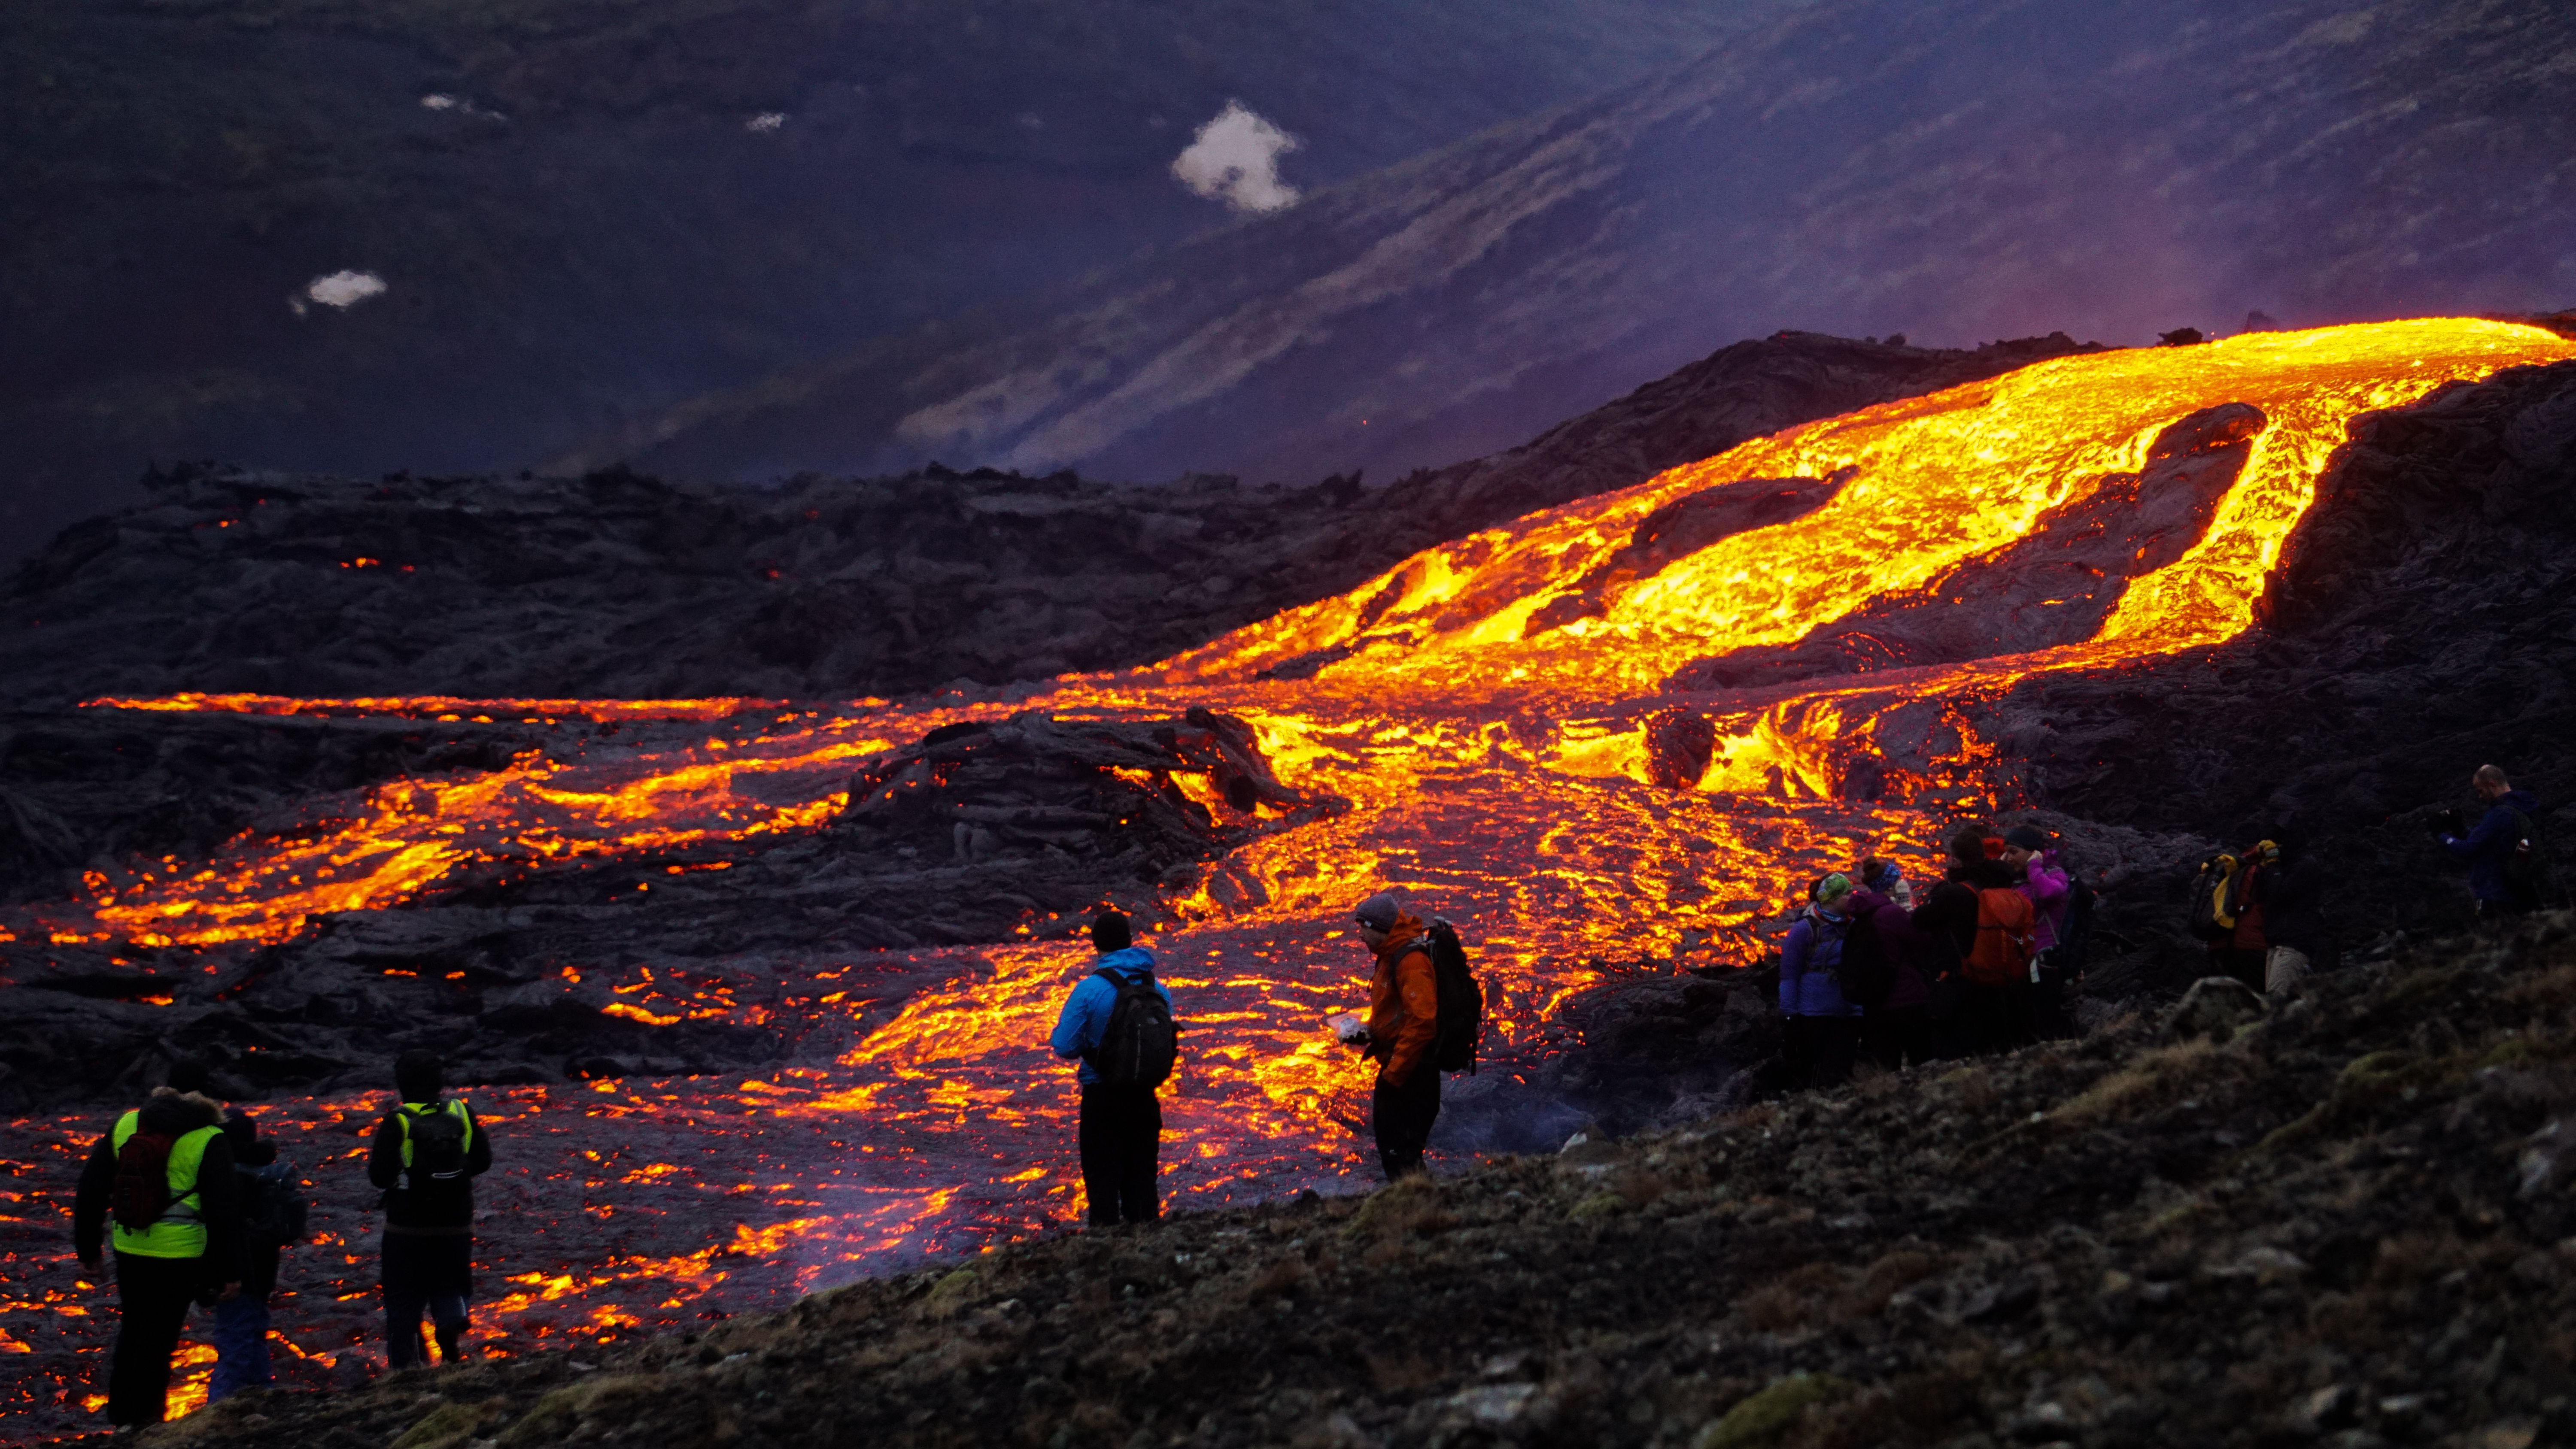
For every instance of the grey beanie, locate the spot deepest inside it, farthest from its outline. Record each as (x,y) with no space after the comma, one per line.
(2028,837)
(1379,911)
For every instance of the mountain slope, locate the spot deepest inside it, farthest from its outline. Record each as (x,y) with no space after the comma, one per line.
(585,211)
(1956,170)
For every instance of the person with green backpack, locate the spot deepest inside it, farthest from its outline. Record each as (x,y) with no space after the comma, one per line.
(162,1179)
(2508,871)
(426,1154)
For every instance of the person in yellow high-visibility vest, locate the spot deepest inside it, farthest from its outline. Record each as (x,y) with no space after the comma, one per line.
(426,1154)
(159,1188)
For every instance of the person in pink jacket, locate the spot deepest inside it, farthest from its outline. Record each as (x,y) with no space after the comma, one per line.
(2029,850)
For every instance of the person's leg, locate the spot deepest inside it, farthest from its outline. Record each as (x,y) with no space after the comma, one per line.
(1141,1157)
(153,1295)
(1403,1116)
(447,1288)
(2281,967)
(406,1294)
(2246,965)
(1798,1053)
(263,1369)
(1097,1137)
(1836,1042)
(1386,1125)
(241,1346)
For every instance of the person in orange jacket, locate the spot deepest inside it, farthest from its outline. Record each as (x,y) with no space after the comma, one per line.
(1404,1019)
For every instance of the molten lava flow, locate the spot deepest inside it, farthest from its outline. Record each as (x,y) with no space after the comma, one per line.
(1496,711)
(452,708)
(1918,487)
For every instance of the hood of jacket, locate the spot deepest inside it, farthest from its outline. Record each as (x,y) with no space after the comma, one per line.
(1126,961)
(1406,933)
(2522,800)
(172,1113)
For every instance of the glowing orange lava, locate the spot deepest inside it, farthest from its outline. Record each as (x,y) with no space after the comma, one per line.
(1485,706)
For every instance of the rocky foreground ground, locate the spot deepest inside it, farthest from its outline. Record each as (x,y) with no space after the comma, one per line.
(2344,1220)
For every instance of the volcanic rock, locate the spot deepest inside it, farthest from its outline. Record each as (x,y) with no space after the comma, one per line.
(1033,783)
(621,586)
(977,834)
(94,789)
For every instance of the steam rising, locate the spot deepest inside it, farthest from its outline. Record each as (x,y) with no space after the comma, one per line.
(1235,159)
(341,290)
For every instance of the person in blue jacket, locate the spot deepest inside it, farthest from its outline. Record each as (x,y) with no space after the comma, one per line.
(2490,845)
(1121,1135)
(1823,1029)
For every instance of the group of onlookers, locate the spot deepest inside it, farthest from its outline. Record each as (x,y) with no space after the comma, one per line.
(1978,964)
(197,1207)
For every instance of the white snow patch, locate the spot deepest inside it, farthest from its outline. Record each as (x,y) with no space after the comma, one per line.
(344,289)
(765,122)
(1235,159)
(436,102)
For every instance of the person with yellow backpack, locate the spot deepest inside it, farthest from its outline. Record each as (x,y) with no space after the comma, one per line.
(158,1188)
(426,1155)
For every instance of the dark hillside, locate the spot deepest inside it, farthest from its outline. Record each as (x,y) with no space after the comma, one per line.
(623,586)
(1953,170)
(585,211)
(2341,1222)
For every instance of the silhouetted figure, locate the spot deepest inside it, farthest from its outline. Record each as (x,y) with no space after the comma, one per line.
(1126,1049)
(1957,917)
(2502,849)
(426,1155)
(159,1187)
(1821,1031)
(1403,1026)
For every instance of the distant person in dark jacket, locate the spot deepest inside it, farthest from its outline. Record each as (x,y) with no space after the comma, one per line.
(1822,1030)
(1121,1131)
(426,1155)
(1897,1030)
(189,1253)
(272,1215)
(241,1319)
(1991,1016)
(2291,891)
(2491,844)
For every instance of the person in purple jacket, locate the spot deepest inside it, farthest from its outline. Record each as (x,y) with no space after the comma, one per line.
(1897,1030)
(1823,1030)
(2031,853)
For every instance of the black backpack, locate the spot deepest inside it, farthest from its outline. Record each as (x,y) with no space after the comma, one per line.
(1140,1044)
(1461,1028)
(1864,972)
(437,1144)
(2526,865)
(2075,935)
(273,1212)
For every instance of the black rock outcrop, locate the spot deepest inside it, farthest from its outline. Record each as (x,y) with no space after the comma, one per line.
(624,586)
